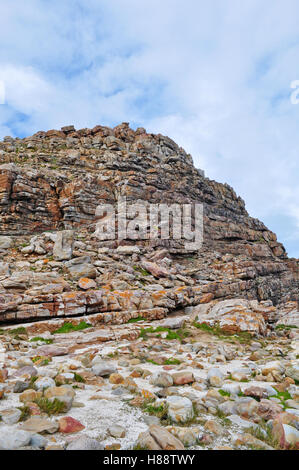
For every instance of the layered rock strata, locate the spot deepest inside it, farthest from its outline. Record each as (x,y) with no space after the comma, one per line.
(53,265)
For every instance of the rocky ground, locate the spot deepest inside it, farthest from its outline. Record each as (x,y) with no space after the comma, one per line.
(166,384)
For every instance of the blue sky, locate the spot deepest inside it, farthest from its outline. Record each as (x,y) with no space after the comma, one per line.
(215,76)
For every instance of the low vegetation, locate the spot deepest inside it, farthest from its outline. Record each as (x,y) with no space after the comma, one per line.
(50,407)
(242,337)
(39,338)
(178,334)
(69,327)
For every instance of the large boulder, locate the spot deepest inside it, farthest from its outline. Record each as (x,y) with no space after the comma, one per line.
(235,315)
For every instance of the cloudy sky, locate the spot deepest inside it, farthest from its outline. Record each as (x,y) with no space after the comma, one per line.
(214,76)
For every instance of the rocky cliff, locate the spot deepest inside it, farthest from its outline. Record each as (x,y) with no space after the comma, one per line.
(52,265)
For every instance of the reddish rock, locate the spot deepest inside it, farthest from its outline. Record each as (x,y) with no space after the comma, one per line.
(51,350)
(268,409)
(67,424)
(155,269)
(257,392)
(181,378)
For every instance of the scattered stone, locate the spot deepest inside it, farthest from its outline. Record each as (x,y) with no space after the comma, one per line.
(85,283)
(117,431)
(161,379)
(158,438)
(215,377)
(182,378)
(12,439)
(102,368)
(85,443)
(44,382)
(11,415)
(180,409)
(29,396)
(51,350)
(38,424)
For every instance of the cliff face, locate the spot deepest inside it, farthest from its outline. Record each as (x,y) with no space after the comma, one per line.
(50,186)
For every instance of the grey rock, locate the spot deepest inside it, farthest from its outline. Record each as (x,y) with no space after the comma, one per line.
(20,386)
(11,439)
(117,431)
(102,368)
(63,246)
(161,379)
(85,443)
(38,441)
(149,420)
(4,269)
(10,416)
(27,370)
(5,242)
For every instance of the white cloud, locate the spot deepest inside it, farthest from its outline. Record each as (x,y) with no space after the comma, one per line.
(215,76)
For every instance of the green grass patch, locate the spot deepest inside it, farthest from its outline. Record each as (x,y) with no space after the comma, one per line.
(39,338)
(142,271)
(264,433)
(178,334)
(243,337)
(223,393)
(25,412)
(156,410)
(135,320)
(79,378)
(286,327)
(45,361)
(32,381)
(222,417)
(282,397)
(113,354)
(152,362)
(172,362)
(69,327)
(18,331)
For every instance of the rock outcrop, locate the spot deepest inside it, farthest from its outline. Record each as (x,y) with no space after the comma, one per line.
(53,265)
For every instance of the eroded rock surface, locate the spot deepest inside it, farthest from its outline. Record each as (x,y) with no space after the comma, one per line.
(139,343)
